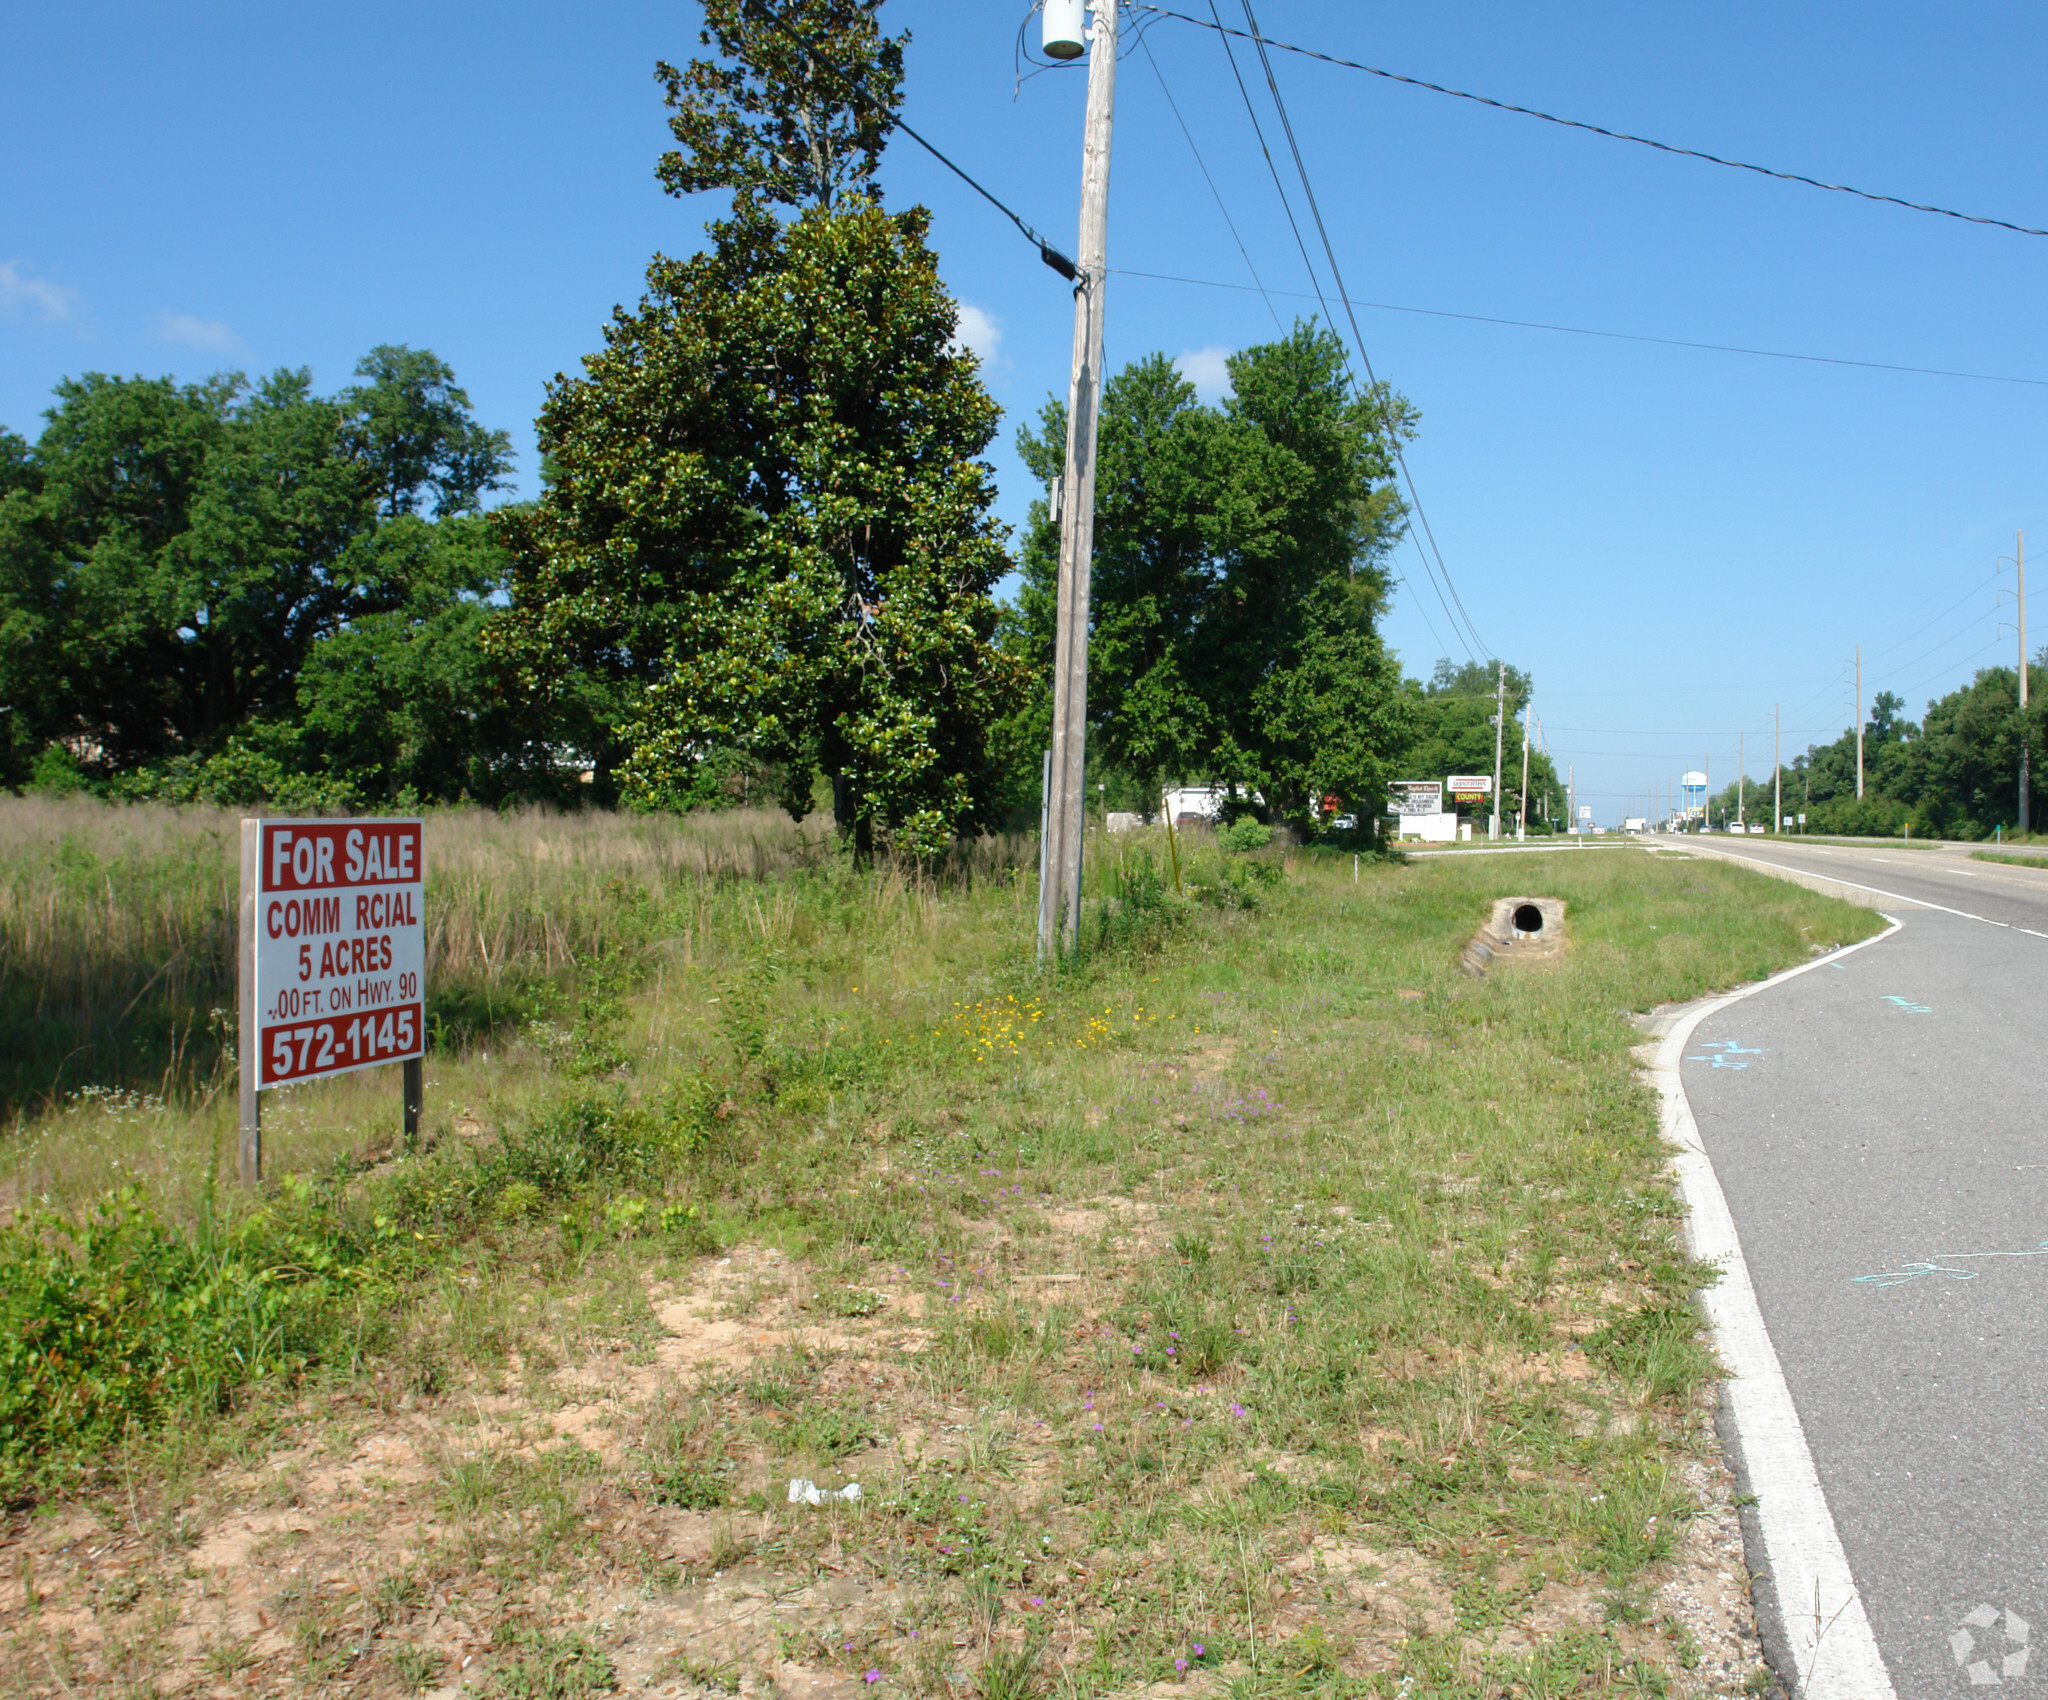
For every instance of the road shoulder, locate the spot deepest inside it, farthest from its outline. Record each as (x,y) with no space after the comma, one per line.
(1815,1630)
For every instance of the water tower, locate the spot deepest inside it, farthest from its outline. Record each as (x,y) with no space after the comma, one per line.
(1692,796)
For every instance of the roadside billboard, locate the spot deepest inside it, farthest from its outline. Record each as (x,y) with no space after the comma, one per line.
(1470,784)
(1415,797)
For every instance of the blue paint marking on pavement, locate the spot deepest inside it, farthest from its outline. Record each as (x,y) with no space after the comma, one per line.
(1913,1271)
(1727,1053)
(1910,1007)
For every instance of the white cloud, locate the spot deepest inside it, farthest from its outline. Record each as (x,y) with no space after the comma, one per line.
(209,336)
(55,304)
(979,333)
(1206,369)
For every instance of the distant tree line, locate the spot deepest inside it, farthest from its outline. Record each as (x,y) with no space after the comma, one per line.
(234,591)
(1954,775)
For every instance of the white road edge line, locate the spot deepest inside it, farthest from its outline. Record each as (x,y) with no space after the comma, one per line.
(1833,1649)
(1875,891)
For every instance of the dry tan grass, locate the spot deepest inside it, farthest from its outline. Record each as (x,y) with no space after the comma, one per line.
(117,921)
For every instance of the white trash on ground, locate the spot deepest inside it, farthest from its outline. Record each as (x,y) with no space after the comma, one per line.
(804,1491)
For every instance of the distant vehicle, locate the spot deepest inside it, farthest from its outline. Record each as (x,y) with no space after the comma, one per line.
(1344,823)
(1635,823)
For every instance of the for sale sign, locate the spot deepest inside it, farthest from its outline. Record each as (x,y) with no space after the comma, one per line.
(340,951)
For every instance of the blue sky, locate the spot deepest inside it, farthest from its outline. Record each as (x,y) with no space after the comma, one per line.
(1672,541)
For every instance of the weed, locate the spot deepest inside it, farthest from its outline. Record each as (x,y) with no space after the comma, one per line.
(535,1665)
(415,1667)
(693,1484)
(850,1302)
(1009,1673)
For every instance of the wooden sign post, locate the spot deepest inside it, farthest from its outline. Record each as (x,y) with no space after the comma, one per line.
(332,959)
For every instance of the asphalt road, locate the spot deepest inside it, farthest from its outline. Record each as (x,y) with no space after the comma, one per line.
(1878,1130)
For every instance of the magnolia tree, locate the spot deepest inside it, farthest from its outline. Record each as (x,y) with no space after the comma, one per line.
(765,512)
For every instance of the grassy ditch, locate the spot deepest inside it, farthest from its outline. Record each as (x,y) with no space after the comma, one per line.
(1256,1304)
(2040,861)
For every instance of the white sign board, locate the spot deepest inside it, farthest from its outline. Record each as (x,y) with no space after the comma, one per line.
(1470,784)
(340,951)
(1585,811)
(1407,797)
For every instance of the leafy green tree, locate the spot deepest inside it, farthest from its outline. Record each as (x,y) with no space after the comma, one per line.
(1962,775)
(410,427)
(181,554)
(766,519)
(796,111)
(1453,721)
(406,705)
(1236,584)
(171,556)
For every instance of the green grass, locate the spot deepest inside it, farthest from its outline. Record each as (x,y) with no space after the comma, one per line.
(1258,1239)
(2010,861)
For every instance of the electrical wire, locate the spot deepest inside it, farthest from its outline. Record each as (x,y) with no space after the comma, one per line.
(1202,166)
(1046,251)
(1440,576)
(1597,129)
(1976,589)
(1315,283)
(1611,336)
(1258,283)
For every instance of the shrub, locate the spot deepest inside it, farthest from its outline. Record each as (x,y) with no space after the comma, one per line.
(1243,836)
(109,1321)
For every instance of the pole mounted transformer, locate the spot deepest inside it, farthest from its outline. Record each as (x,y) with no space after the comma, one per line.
(1064,31)
(1059,893)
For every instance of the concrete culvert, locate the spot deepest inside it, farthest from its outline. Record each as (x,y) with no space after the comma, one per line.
(1522,929)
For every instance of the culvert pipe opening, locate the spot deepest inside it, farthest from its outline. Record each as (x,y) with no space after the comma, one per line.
(1528,918)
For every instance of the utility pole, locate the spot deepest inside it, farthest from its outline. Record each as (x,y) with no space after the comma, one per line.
(1500,708)
(1059,894)
(1741,779)
(1777,768)
(1571,798)
(1707,801)
(1859,723)
(1522,806)
(2026,811)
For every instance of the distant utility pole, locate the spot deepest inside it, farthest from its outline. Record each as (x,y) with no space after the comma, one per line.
(1777,768)
(2026,812)
(1707,801)
(1059,894)
(1741,778)
(1500,714)
(1522,803)
(1571,797)
(1859,723)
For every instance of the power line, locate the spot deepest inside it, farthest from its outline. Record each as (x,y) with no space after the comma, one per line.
(1315,283)
(1337,278)
(1046,251)
(1258,282)
(1202,166)
(1976,589)
(1611,336)
(1597,129)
